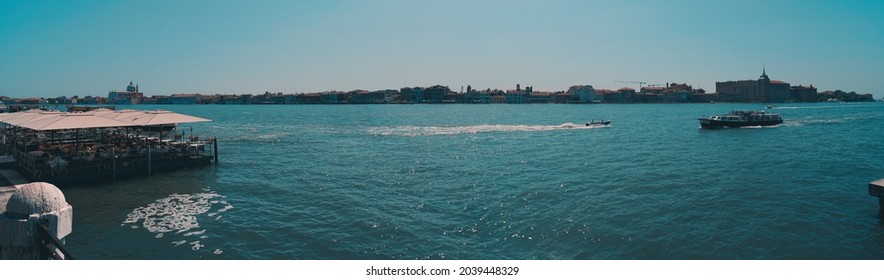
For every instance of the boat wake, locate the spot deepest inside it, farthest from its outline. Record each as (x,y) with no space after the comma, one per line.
(823,106)
(471,129)
(818,121)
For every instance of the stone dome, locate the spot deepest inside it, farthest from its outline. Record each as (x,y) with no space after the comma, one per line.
(35,198)
(131,87)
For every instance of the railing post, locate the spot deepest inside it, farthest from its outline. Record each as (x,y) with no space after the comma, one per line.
(114,163)
(148,160)
(215,148)
(32,208)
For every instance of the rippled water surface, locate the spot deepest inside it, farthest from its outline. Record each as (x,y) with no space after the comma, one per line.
(502,182)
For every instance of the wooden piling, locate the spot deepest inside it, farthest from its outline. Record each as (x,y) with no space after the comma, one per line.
(215,143)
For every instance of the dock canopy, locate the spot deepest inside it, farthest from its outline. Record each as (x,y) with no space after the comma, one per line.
(161,117)
(120,114)
(28,117)
(73,121)
(54,120)
(6,117)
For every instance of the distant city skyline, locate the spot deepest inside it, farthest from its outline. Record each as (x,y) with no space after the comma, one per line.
(61,48)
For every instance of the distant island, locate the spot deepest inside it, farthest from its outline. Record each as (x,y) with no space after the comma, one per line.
(762,90)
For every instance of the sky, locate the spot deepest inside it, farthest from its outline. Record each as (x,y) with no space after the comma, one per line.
(57,48)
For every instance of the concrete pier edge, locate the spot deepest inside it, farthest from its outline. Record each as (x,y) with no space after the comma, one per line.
(876,189)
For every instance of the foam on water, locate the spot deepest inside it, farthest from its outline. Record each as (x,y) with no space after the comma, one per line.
(812,120)
(840,106)
(178,214)
(471,129)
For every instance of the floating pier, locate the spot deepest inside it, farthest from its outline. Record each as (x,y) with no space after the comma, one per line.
(876,189)
(66,148)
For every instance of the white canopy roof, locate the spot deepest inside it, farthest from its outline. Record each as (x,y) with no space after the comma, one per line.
(161,117)
(73,121)
(9,116)
(29,117)
(120,114)
(54,120)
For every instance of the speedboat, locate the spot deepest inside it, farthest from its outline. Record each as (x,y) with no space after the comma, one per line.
(600,122)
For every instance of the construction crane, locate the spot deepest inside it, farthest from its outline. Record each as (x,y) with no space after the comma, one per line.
(633,82)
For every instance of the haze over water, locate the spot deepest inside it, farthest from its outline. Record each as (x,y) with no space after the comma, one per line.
(501,182)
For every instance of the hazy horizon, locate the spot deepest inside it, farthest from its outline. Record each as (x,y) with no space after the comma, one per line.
(60,48)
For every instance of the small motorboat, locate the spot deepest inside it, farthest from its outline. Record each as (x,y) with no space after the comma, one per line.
(600,122)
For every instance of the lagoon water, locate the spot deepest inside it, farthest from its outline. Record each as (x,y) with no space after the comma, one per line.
(501,182)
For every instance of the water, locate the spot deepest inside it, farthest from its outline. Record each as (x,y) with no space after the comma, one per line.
(501,182)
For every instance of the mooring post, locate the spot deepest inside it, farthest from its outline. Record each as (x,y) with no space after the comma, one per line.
(215,144)
(876,189)
(114,163)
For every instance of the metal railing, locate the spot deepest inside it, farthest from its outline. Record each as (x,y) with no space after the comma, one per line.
(37,168)
(52,247)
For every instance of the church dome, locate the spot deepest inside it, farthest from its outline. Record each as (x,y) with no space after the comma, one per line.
(131,87)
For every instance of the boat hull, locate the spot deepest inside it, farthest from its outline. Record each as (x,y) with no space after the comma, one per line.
(598,123)
(713,124)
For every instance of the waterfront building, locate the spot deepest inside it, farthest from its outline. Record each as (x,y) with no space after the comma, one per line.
(267,98)
(539,97)
(454,97)
(627,95)
(584,94)
(498,99)
(803,93)
(411,95)
(671,93)
(280,98)
(435,94)
(561,97)
(184,98)
(622,95)
(370,97)
(382,96)
(515,96)
(334,97)
(706,97)
(231,99)
(359,96)
(605,96)
(674,96)
(130,96)
(683,87)
(762,90)
(480,97)
(307,98)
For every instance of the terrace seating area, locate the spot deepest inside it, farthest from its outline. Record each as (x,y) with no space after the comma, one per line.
(87,147)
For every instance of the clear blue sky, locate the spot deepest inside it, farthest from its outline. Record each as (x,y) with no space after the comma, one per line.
(54,48)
